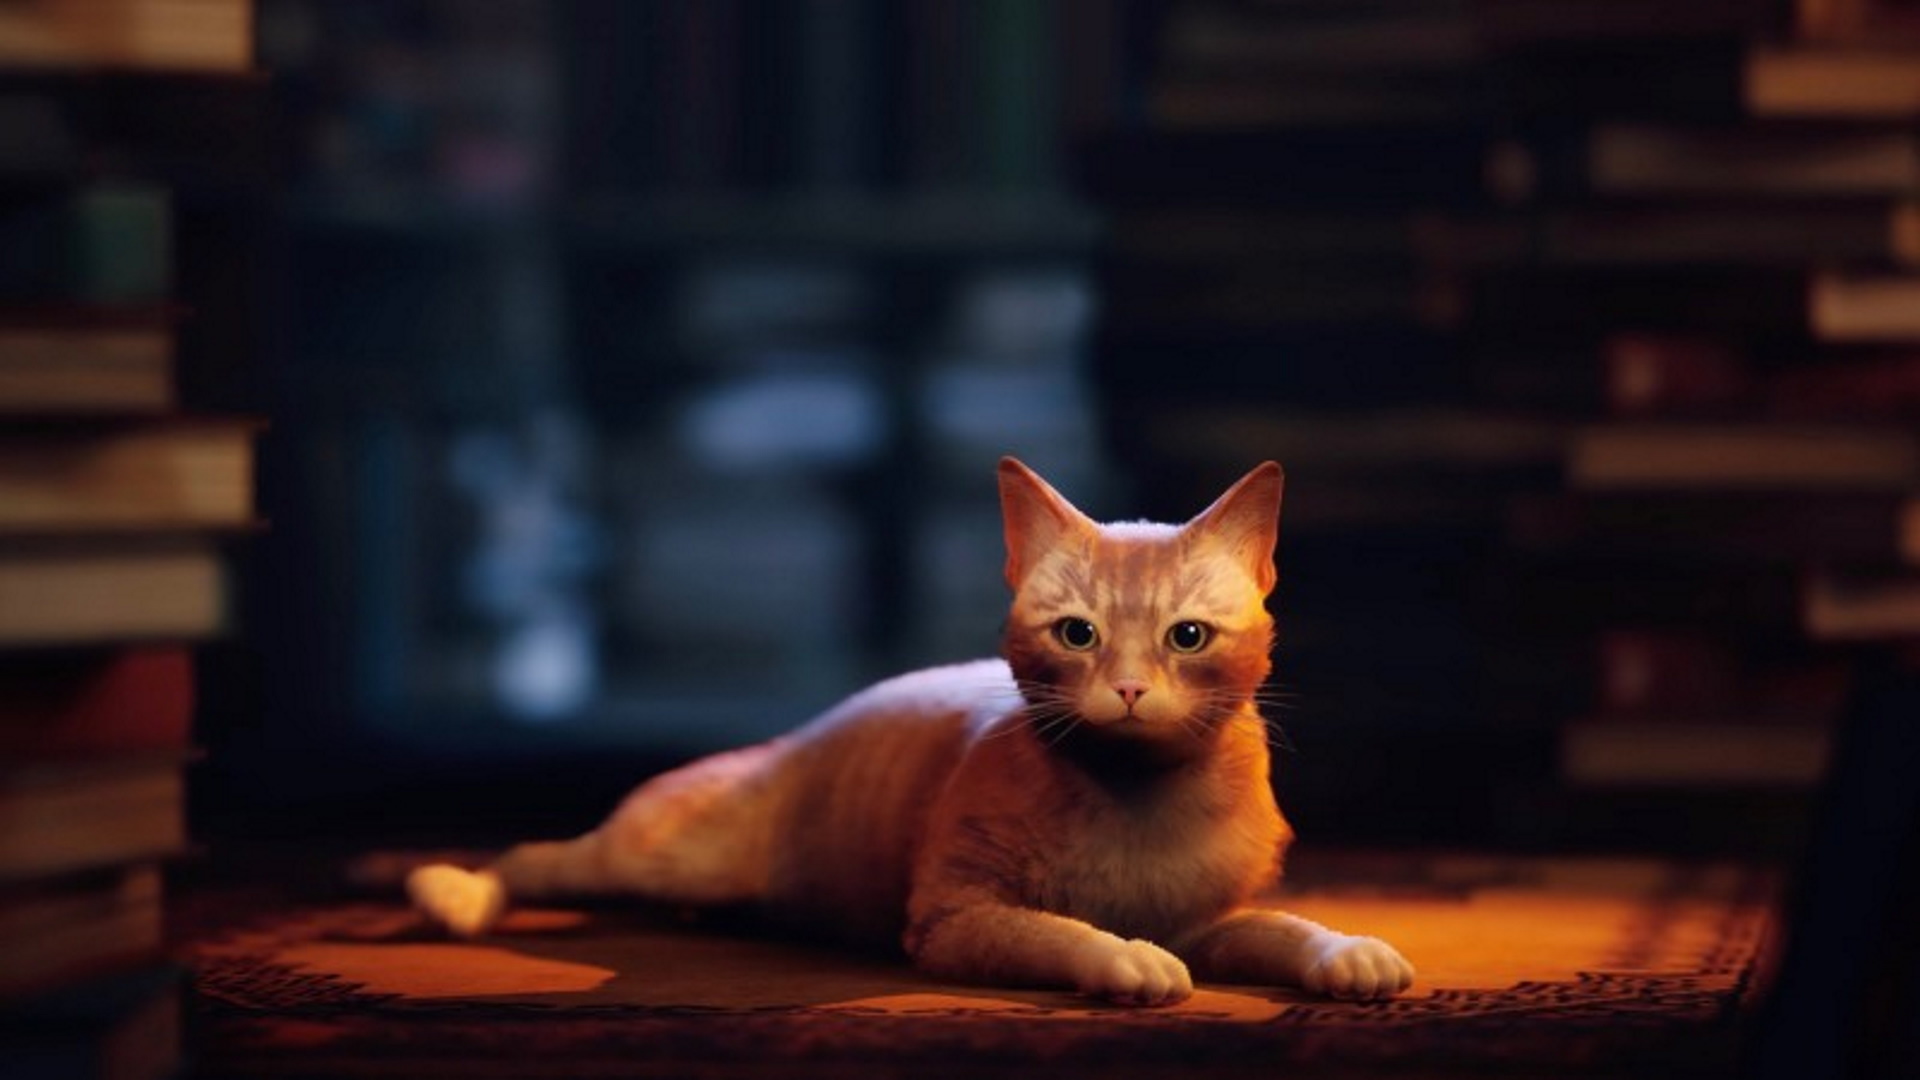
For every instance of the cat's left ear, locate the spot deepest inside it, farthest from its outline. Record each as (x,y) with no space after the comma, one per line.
(1246,522)
(1037,519)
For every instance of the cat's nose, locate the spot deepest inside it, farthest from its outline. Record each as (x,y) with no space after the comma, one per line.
(1129,690)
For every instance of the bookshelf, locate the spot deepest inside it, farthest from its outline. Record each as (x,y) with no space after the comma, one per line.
(1582,330)
(133,145)
(649,362)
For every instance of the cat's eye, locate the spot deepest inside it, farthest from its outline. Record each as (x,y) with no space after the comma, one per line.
(1189,636)
(1076,634)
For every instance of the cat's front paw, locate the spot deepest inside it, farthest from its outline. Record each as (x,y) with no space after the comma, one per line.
(1134,973)
(466,902)
(1358,969)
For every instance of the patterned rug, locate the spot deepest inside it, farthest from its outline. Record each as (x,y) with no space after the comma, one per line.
(1527,966)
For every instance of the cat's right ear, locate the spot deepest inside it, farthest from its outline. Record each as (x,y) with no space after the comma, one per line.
(1037,519)
(1246,522)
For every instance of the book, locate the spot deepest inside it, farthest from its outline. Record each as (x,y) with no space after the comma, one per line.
(1091,50)
(1782,160)
(80,369)
(168,35)
(1678,374)
(1720,526)
(1654,670)
(1691,752)
(1367,38)
(107,244)
(944,42)
(1525,372)
(1682,375)
(1359,41)
(123,1027)
(1860,606)
(1686,709)
(170,588)
(63,929)
(174,474)
(1831,82)
(40,140)
(1871,23)
(1572,303)
(1668,80)
(1663,672)
(1726,456)
(701,147)
(1556,592)
(1869,385)
(1287,99)
(1773,231)
(92,702)
(1678,232)
(837,94)
(1016,110)
(1845,306)
(61,817)
(1666,374)
(1414,440)
(1509,24)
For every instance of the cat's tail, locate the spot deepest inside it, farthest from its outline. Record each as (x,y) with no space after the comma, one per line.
(470,902)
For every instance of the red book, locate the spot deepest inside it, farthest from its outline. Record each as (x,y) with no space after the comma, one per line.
(1656,374)
(1672,674)
(133,699)
(1886,385)
(1644,670)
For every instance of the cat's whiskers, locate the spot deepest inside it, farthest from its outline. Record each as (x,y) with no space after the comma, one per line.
(1042,719)
(1284,699)
(1194,725)
(1277,736)
(1051,713)
(1058,736)
(1025,692)
(1227,700)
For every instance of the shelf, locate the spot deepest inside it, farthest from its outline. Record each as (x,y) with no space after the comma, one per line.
(931,225)
(899,225)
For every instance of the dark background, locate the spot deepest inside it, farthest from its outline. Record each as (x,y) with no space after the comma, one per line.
(637,371)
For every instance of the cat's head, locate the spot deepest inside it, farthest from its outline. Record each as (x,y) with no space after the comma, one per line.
(1143,631)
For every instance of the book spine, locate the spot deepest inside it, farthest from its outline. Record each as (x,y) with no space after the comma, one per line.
(122,246)
(838,91)
(945,147)
(122,700)
(1016,102)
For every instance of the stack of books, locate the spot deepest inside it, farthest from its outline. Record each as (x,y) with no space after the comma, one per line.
(115,501)
(1757,423)
(1587,333)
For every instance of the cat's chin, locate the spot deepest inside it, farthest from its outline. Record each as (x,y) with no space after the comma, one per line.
(1129,746)
(1135,727)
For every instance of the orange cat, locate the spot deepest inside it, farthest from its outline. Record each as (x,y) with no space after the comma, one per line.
(1092,812)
